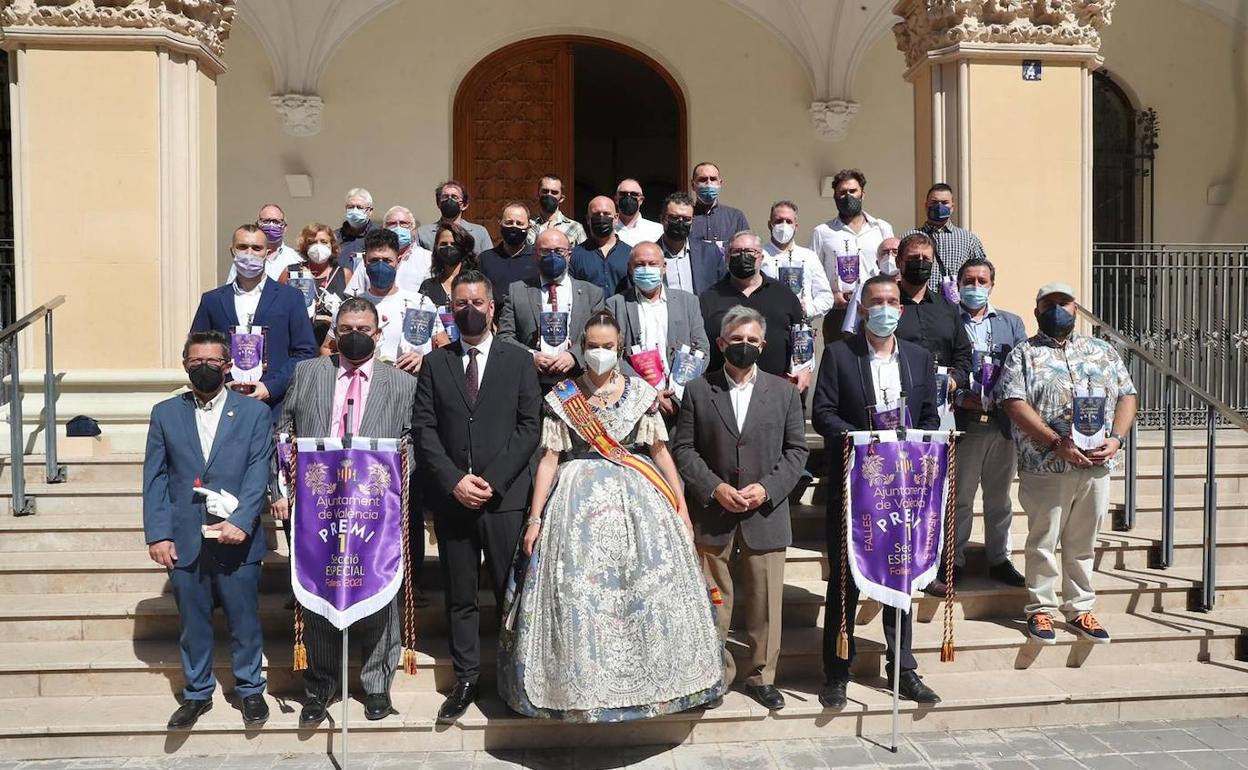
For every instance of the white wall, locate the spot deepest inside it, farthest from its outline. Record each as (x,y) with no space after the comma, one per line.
(389,89)
(1192,68)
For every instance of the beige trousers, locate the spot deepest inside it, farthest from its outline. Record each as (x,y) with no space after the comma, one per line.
(1062,509)
(762,575)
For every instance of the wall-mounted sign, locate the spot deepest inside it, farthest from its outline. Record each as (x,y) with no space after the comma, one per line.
(1032,69)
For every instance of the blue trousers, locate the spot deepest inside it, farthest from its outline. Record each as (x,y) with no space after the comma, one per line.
(238,588)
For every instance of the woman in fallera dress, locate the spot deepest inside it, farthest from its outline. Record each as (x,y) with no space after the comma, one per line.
(611,620)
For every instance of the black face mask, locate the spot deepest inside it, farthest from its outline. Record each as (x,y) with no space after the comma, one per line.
(628,205)
(470,321)
(450,208)
(548,203)
(206,378)
(601,226)
(513,236)
(917,272)
(677,230)
(849,206)
(448,256)
(742,354)
(356,346)
(742,265)
(1056,322)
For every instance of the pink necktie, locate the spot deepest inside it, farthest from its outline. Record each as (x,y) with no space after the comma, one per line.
(353,398)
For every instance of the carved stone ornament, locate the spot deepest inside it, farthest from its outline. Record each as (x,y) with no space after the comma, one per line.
(930,25)
(203,22)
(300,113)
(831,118)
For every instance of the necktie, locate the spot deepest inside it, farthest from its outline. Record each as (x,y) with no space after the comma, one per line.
(552,297)
(353,397)
(470,375)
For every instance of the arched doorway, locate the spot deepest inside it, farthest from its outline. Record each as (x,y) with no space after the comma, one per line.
(1123,143)
(592,111)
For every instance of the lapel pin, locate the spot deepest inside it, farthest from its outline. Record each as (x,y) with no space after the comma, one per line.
(230,413)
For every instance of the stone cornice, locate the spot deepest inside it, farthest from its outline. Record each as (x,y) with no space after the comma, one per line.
(938,25)
(193,26)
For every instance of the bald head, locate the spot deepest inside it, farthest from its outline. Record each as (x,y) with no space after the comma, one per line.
(601,204)
(646,253)
(551,239)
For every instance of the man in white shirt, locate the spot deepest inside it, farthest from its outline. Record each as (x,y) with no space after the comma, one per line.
(631,227)
(381,266)
(278,257)
(415,262)
(852,232)
(797,267)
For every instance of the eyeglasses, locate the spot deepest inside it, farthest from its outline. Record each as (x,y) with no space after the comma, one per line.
(744,253)
(409,224)
(686,220)
(259,249)
(554,252)
(451,196)
(627,194)
(281,222)
(344,329)
(195,362)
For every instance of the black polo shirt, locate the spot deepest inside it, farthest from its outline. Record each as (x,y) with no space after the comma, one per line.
(934,323)
(503,270)
(775,301)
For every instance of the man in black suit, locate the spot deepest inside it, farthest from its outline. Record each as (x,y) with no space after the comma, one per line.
(858,375)
(477,423)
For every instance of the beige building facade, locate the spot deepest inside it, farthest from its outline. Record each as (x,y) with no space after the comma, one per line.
(143,132)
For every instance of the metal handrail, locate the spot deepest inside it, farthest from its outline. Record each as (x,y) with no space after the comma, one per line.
(23,504)
(1164,558)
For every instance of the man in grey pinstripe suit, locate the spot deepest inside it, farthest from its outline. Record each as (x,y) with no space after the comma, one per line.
(317,405)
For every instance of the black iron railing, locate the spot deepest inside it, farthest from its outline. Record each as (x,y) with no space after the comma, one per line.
(54,473)
(1174,384)
(1186,305)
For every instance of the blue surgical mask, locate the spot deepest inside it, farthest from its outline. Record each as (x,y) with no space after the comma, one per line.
(405,236)
(552,265)
(357,217)
(939,212)
(381,274)
(882,320)
(974,297)
(647,277)
(708,193)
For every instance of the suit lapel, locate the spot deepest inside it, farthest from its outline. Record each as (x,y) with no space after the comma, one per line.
(189,425)
(267,298)
(758,401)
(722,398)
(455,367)
(322,412)
(226,298)
(535,305)
(634,316)
(225,428)
(381,384)
(864,374)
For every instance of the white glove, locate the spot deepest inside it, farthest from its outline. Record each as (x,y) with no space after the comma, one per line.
(220,504)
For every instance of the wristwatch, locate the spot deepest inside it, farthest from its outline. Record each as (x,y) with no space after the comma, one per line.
(1121,441)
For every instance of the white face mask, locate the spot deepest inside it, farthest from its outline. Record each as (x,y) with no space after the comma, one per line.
(600,360)
(888,266)
(782,232)
(319,253)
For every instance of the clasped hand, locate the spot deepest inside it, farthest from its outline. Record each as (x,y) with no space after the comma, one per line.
(472,491)
(740,500)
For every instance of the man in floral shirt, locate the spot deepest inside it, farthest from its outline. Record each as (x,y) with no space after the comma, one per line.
(1072,400)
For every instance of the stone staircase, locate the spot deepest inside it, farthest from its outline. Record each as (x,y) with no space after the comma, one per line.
(89,659)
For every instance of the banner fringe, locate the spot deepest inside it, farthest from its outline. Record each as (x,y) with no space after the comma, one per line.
(409,569)
(946,646)
(842,637)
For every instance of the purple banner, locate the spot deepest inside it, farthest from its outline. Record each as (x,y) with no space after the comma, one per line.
(897,500)
(847,268)
(347,556)
(246,350)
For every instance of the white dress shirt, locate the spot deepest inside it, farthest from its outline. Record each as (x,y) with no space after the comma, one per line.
(246,302)
(740,393)
(640,230)
(652,314)
(207,418)
(679,274)
(834,237)
(885,375)
(483,356)
(563,295)
(816,293)
(411,274)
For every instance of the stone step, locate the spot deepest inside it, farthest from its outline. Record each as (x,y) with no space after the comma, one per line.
(40,617)
(117,467)
(125,725)
(123,667)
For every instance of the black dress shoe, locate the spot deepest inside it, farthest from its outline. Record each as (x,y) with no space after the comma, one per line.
(313,713)
(187,713)
(463,696)
(377,706)
(833,695)
(767,695)
(912,688)
(937,588)
(255,710)
(1007,573)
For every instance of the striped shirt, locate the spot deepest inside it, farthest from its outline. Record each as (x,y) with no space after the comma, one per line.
(954,246)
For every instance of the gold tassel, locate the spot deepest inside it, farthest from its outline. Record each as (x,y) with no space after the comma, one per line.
(301,657)
(946,651)
(409,662)
(842,646)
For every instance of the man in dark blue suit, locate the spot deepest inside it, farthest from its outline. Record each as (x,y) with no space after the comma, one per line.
(253,300)
(205,480)
(856,376)
(692,265)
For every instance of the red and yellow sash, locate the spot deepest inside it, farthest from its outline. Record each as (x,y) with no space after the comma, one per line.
(591,432)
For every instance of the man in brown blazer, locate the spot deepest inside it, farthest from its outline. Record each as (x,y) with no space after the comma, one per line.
(740,447)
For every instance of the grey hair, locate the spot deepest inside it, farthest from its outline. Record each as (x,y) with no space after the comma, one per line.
(742,234)
(783,203)
(740,314)
(404,209)
(360,192)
